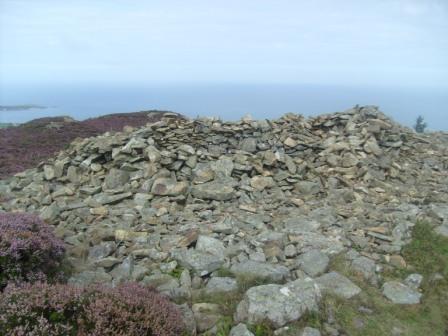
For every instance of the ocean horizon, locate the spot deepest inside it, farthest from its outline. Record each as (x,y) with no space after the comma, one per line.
(226,101)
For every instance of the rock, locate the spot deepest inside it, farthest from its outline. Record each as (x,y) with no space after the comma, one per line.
(123,272)
(337,284)
(400,294)
(278,304)
(414,280)
(310,332)
(153,154)
(168,187)
(290,251)
(365,266)
(49,172)
(161,282)
(50,213)
(260,271)
(103,250)
(210,245)
(206,315)
(99,276)
(290,142)
(188,319)
(221,285)
(124,235)
(200,262)
(249,145)
(116,178)
(203,173)
(296,225)
(240,330)
(262,182)
(112,199)
(217,191)
(313,262)
(442,229)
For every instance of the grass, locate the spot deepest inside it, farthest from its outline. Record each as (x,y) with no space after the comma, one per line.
(427,254)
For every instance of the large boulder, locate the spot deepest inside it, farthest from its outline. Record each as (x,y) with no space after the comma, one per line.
(400,293)
(278,304)
(337,284)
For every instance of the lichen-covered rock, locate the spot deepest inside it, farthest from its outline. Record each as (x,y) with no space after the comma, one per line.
(278,304)
(260,271)
(401,294)
(337,284)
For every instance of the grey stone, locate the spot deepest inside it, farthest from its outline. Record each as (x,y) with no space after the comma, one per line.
(210,245)
(442,229)
(85,278)
(337,284)
(116,178)
(216,190)
(206,315)
(365,266)
(400,294)
(260,271)
(162,282)
(123,272)
(50,213)
(103,250)
(200,262)
(249,145)
(111,199)
(414,280)
(240,330)
(221,285)
(308,331)
(168,187)
(278,304)
(300,224)
(262,182)
(313,262)
(188,319)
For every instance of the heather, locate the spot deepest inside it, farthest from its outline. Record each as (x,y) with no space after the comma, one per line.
(29,250)
(24,146)
(129,309)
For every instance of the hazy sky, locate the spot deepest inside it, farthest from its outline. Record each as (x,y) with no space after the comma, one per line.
(380,42)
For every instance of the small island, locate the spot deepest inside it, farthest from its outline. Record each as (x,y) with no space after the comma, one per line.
(21,107)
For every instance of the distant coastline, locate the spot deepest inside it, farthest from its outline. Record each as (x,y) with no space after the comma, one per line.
(6,125)
(21,107)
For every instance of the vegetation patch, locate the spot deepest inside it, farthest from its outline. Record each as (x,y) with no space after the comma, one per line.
(370,313)
(28,144)
(60,310)
(29,250)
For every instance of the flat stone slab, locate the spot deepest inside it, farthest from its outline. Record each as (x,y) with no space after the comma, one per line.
(337,284)
(313,262)
(278,305)
(400,293)
(200,262)
(260,270)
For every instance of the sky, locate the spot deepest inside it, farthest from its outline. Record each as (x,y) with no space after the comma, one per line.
(347,42)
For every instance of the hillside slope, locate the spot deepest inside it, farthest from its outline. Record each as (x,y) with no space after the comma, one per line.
(336,222)
(26,145)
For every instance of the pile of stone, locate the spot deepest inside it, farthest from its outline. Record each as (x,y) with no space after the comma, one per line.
(175,203)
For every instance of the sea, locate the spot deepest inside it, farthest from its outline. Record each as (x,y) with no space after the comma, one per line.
(226,101)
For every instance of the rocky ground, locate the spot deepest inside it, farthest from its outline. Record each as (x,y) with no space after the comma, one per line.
(24,146)
(253,227)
